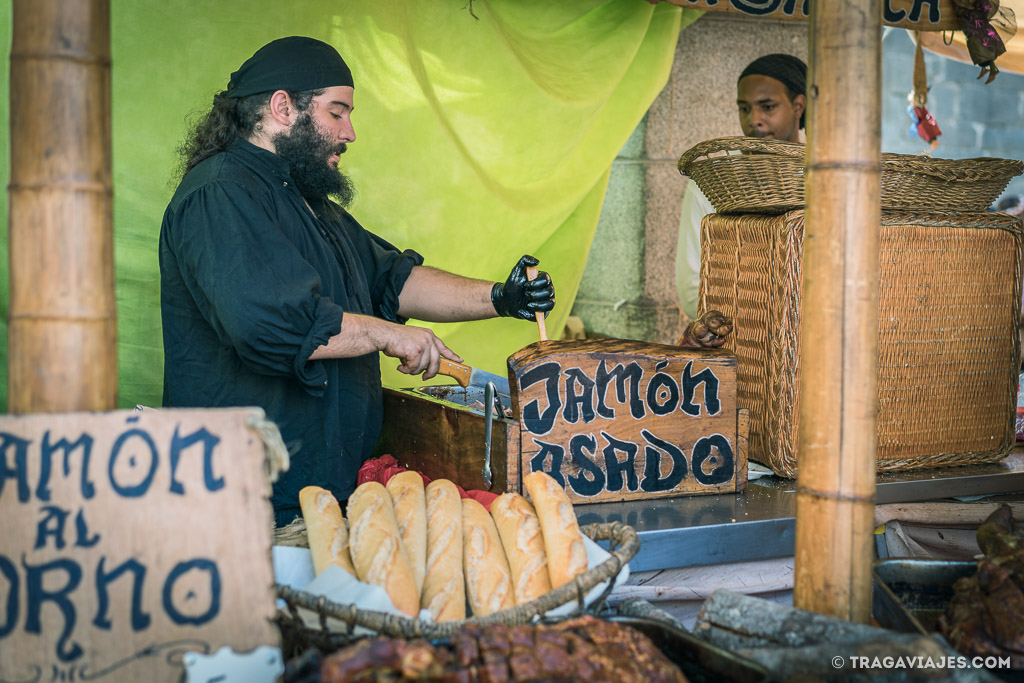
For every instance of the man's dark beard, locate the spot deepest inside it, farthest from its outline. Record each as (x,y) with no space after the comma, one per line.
(306,149)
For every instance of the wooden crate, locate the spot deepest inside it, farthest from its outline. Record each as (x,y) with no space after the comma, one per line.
(949,308)
(609,419)
(443,437)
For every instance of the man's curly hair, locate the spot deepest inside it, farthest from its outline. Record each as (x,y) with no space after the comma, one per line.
(229,118)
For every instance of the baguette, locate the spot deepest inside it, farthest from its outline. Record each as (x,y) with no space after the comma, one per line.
(376,546)
(444,588)
(488,579)
(523,542)
(325,529)
(406,489)
(563,542)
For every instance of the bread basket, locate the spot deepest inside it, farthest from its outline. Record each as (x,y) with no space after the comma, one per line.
(756,175)
(623,545)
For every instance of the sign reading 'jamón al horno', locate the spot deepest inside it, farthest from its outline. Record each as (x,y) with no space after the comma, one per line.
(621,420)
(129,539)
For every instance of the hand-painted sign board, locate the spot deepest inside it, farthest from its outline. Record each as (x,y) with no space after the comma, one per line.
(130,538)
(918,15)
(623,420)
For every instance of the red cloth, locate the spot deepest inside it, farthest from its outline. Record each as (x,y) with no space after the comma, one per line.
(927,127)
(383,468)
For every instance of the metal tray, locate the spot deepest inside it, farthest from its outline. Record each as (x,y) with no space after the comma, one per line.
(699,660)
(909,595)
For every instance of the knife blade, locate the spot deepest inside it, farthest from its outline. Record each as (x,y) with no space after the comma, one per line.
(467,376)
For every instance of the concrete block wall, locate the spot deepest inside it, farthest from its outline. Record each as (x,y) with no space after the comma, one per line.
(977,119)
(628,287)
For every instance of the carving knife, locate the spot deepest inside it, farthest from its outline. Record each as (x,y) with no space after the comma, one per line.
(467,376)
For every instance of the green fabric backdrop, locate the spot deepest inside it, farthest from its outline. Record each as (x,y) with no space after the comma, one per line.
(478,138)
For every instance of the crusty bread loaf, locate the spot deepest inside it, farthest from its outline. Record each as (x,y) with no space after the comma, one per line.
(519,529)
(444,589)
(563,541)
(488,579)
(325,529)
(376,547)
(406,489)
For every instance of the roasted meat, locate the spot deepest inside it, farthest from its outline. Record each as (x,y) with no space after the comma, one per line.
(580,649)
(984,616)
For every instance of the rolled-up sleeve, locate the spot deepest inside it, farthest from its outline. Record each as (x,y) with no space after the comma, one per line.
(387,268)
(251,285)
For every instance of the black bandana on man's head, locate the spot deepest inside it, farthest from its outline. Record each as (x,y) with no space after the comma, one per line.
(787,69)
(295,64)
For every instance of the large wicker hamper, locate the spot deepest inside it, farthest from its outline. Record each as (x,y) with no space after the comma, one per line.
(949,307)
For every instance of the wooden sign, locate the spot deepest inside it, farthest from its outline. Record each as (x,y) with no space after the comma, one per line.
(623,420)
(130,538)
(918,15)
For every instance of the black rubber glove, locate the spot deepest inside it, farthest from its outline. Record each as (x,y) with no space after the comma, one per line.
(522,298)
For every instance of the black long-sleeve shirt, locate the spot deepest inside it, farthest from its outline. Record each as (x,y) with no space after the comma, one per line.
(251,283)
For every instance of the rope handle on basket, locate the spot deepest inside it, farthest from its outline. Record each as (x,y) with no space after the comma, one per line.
(403,627)
(738,143)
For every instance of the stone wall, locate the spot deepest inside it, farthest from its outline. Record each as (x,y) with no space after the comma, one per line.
(628,287)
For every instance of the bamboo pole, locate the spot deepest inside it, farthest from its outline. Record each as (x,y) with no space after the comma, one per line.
(62,336)
(839,328)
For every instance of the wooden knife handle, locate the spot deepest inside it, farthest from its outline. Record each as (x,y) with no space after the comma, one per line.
(531,273)
(460,373)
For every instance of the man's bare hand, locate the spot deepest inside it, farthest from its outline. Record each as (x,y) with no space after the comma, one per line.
(706,332)
(419,349)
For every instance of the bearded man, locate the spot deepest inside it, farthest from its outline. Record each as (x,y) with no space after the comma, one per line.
(273,295)
(771,97)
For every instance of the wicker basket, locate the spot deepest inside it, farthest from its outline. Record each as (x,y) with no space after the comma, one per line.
(949,307)
(754,175)
(623,541)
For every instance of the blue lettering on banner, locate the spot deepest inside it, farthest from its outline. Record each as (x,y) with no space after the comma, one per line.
(139,619)
(51,525)
(60,597)
(84,443)
(617,468)
(763,7)
(578,404)
(536,422)
(9,442)
(557,454)
(10,573)
(180,443)
(55,585)
(663,395)
(181,569)
(703,450)
(58,581)
(891,16)
(82,538)
(139,489)
(620,374)
(663,386)
(610,465)
(690,384)
(653,481)
(590,479)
